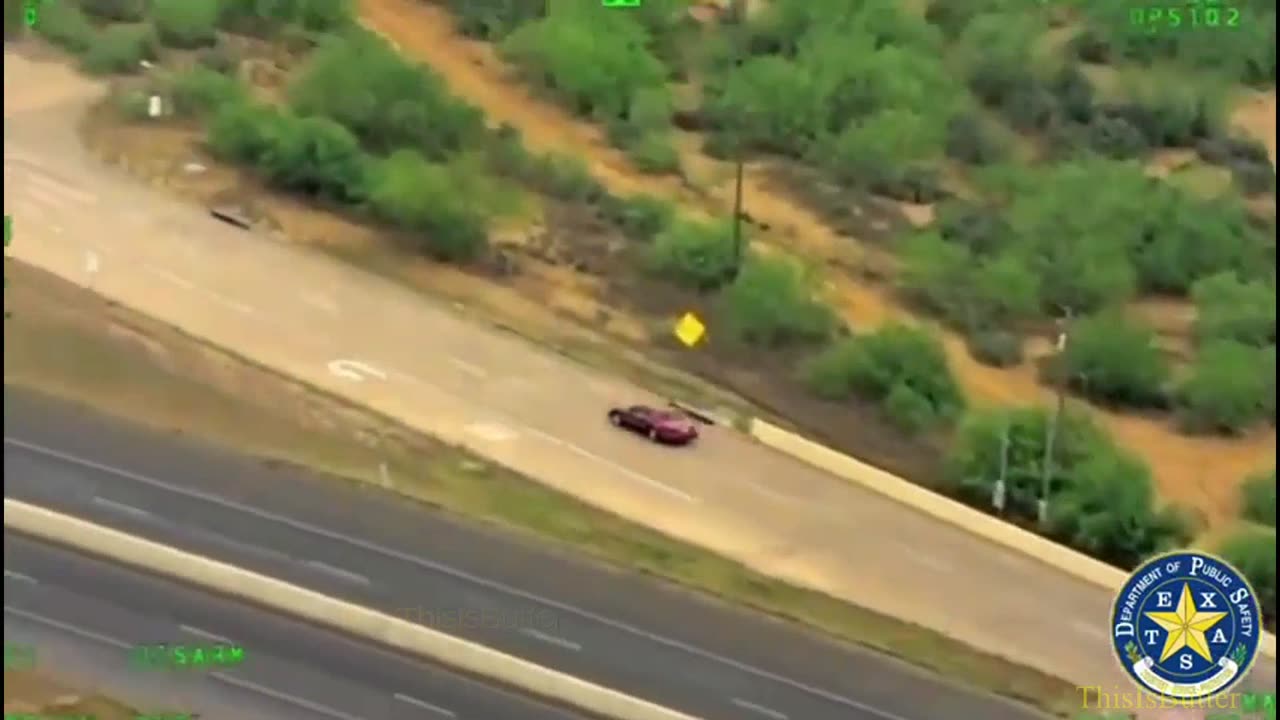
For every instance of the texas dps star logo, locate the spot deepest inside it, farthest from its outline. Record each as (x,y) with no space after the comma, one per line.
(1186,626)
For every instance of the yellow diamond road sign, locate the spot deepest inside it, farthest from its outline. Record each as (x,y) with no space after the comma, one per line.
(689,329)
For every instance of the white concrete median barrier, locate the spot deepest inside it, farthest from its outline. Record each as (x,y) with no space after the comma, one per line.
(285,598)
(948,510)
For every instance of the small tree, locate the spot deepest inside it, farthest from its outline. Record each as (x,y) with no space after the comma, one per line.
(1258,499)
(891,361)
(424,199)
(1113,359)
(697,255)
(1100,498)
(315,156)
(186,23)
(771,303)
(121,49)
(1228,308)
(1252,551)
(1227,389)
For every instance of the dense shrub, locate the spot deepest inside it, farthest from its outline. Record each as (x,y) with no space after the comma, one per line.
(563,52)
(312,155)
(1258,498)
(240,131)
(1228,308)
(121,49)
(1101,499)
(565,177)
(220,58)
(1186,238)
(969,141)
(186,23)
(997,348)
(772,303)
(115,10)
(640,217)
(696,255)
(65,25)
(362,83)
(426,199)
(266,17)
(1227,389)
(1115,137)
(200,90)
(894,360)
(1252,551)
(971,291)
(495,19)
(654,153)
(1115,360)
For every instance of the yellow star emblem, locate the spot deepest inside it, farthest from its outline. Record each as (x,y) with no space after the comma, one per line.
(1185,626)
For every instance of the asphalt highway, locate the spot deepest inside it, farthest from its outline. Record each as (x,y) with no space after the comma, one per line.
(84,616)
(622,631)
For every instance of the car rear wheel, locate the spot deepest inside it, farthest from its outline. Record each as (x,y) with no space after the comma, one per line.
(653,434)
(615,419)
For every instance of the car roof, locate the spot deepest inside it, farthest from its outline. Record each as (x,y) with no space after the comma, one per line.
(657,413)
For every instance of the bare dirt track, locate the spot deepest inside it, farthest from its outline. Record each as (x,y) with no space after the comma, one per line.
(1202,472)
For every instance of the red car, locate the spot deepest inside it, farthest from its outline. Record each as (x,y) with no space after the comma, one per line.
(660,426)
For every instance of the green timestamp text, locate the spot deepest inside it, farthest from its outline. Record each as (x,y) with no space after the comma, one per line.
(1160,17)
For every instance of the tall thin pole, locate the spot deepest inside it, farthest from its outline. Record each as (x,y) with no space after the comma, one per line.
(1051,432)
(739,17)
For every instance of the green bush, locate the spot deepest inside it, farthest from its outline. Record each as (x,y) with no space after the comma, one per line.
(997,348)
(1227,389)
(566,177)
(243,131)
(772,303)
(697,255)
(267,17)
(654,153)
(426,199)
(132,104)
(1252,551)
(64,25)
(220,59)
(1101,499)
(969,141)
(1115,360)
(315,156)
(121,49)
(563,52)
(1228,308)
(115,10)
(362,83)
(971,292)
(200,91)
(641,217)
(495,19)
(873,365)
(1258,499)
(186,23)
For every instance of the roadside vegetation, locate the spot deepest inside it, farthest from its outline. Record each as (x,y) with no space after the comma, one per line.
(1005,122)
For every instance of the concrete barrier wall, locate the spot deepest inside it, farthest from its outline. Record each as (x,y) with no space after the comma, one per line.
(323,610)
(948,510)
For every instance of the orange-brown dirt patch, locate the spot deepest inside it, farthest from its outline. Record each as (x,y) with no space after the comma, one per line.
(1198,471)
(27,694)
